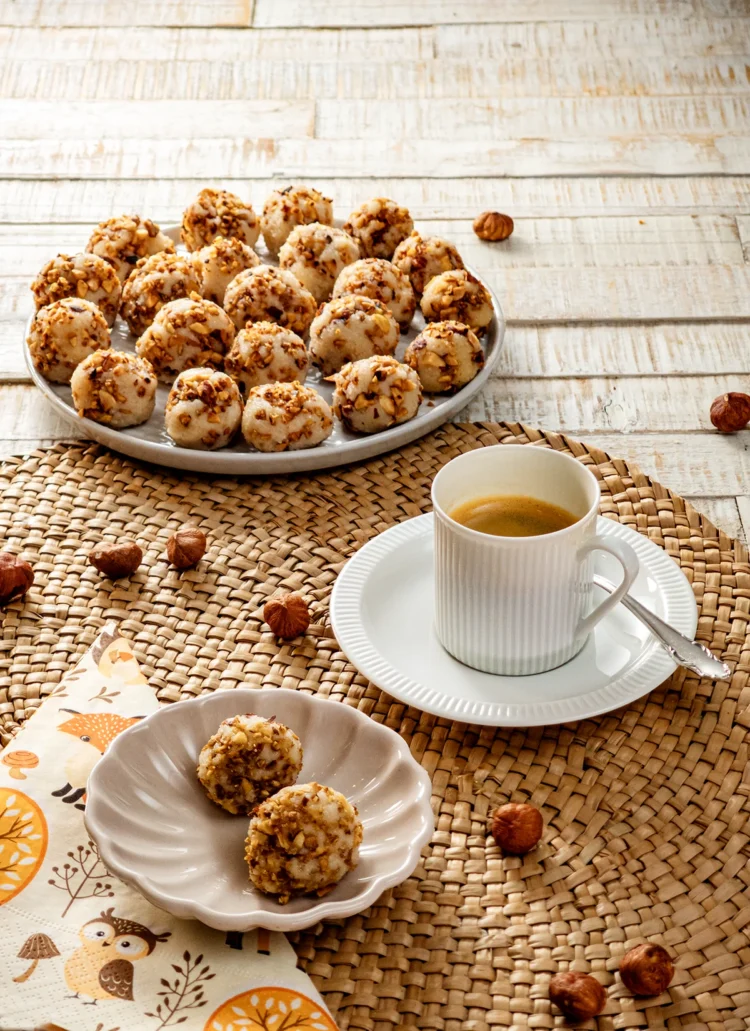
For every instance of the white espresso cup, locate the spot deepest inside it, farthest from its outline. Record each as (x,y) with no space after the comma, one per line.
(519,605)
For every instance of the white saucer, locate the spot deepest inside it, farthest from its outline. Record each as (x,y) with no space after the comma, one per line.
(382,614)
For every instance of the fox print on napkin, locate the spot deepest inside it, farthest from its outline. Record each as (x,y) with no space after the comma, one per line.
(80,950)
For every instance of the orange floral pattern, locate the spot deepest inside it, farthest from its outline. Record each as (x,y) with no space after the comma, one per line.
(270,1009)
(23,842)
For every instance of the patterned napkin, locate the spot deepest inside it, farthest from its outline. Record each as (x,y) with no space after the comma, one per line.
(80,950)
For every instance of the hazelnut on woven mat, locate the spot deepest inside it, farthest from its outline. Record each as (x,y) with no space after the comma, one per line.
(85,276)
(188,333)
(303,839)
(517,827)
(154,282)
(374,394)
(379,226)
(579,996)
(285,417)
(380,280)
(264,352)
(290,207)
(219,262)
(114,388)
(316,254)
(218,213)
(63,334)
(458,296)
(423,258)
(123,240)
(268,294)
(246,760)
(446,356)
(204,409)
(349,328)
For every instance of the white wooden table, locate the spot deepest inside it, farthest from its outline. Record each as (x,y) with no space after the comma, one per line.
(615,132)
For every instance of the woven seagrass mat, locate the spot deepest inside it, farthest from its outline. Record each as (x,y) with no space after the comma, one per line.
(647,808)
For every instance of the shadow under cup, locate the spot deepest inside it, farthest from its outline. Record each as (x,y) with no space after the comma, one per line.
(519,605)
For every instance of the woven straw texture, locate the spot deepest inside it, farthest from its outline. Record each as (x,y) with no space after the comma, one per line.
(647,809)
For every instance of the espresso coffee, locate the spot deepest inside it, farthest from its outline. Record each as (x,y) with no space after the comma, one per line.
(512,515)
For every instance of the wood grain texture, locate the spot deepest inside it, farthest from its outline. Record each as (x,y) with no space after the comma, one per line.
(129,78)
(111,12)
(88,200)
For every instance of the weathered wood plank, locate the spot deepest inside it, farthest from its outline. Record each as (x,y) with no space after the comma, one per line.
(319,13)
(743,226)
(97,43)
(553,352)
(307,159)
(648,37)
(112,12)
(153,119)
(553,118)
(88,200)
(539,295)
(139,79)
(554,242)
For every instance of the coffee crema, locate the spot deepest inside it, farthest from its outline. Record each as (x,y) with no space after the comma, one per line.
(512,515)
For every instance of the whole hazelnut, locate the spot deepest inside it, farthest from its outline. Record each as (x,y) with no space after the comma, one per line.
(491,225)
(287,615)
(16,576)
(579,996)
(517,827)
(647,969)
(116,560)
(186,547)
(730,412)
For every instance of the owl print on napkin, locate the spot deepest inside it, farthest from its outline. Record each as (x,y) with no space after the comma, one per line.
(80,950)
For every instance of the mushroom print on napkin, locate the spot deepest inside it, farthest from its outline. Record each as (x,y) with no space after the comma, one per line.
(80,950)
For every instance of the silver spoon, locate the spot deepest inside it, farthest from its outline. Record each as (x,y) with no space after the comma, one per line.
(690,654)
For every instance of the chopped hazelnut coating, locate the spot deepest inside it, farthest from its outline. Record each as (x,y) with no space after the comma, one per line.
(285,417)
(188,333)
(85,276)
(204,409)
(268,294)
(381,281)
(63,334)
(264,352)
(303,839)
(374,394)
(379,225)
(123,240)
(316,254)
(219,262)
(290,207)
(446,356)
(154,282)
(218,213)
(348,328)
(248,759)
(460,297)
(114,388)
(423,258)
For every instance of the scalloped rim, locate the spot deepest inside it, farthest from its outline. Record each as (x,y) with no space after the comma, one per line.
(253,463)
(268,914)
(652,666)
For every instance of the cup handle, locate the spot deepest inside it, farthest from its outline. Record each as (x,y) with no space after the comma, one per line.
(629,562)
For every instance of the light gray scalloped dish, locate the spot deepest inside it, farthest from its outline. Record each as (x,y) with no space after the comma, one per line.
(150,443)
(156,829)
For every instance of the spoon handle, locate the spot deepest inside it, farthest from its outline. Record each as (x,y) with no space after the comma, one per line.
(690,654)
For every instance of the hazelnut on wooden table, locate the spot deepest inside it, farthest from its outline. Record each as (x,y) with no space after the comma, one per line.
(186,547)
(16,576)
(579,996)
(116,560)
(730,412)
(647,969)
(287,615)
(491,225)
(517,827)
